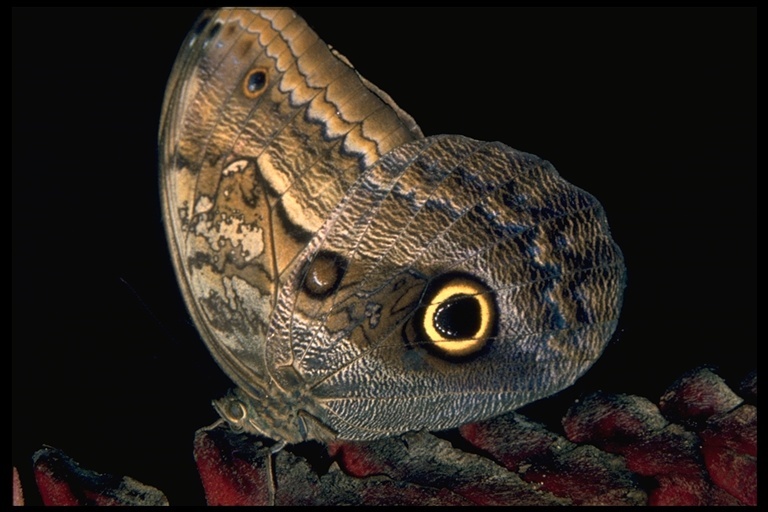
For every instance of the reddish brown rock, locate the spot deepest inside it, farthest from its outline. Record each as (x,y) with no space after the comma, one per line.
(730,452)
(61,481)
(696,396)
(634,428)
(619,450)
(237,470)
(582,475)
(299,484)
(427,461)
(234,468)
(495,437)
(612,420)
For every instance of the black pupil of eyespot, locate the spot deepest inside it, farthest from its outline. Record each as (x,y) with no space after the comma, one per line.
(256,81)
(458,317)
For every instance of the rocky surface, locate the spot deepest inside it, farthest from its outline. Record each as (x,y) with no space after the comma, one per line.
(696,446)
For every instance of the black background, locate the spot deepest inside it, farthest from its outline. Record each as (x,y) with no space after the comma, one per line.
(651,110)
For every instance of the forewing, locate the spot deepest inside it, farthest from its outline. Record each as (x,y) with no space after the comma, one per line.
(263,130)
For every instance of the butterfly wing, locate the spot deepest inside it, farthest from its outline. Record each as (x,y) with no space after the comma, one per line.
(263,130)
(461,279)
(343,268)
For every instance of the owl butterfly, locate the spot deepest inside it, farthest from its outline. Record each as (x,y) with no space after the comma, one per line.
(353,277)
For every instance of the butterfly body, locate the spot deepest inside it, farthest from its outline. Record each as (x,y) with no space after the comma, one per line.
(354,278)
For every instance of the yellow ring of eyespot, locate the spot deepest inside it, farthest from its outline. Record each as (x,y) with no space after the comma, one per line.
(465,346)
(255,94)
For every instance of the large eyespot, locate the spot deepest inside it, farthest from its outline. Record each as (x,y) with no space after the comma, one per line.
(323,274)
(458,316)
(255,82)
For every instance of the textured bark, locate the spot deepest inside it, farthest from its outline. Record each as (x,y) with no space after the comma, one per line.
(697,447)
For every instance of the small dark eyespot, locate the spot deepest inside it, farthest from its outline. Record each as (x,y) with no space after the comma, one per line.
(201,24)
(255,82)
(213,31)
(323,274)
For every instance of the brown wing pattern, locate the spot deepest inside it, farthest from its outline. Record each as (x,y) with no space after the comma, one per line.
(353,277)
(264,129)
